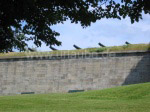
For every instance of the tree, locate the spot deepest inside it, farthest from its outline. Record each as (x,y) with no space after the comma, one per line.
(25,20)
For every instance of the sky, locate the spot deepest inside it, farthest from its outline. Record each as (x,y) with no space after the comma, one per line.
(110,32)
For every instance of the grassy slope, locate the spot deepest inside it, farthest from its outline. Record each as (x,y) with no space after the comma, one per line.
(131,47)
(132,98)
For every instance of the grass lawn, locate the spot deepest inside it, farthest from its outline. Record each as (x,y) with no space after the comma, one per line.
(123,48)
(132,98)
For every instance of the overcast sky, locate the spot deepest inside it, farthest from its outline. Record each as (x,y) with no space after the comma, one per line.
(110,32)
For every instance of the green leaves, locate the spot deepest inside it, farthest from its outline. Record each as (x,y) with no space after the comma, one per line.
(39,15)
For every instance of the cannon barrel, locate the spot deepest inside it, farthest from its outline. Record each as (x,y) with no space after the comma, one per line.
(54,49)
(127,43)
(101,45)
(75,46)
(32,50)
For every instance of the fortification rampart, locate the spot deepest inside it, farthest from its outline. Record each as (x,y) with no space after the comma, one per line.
(49,74)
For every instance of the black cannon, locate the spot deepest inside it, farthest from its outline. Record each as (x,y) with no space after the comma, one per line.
(127,43)
(54,49)
(32,50)
(101,45)
(75,46)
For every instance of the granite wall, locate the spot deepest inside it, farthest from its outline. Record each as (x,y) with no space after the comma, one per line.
(51,74)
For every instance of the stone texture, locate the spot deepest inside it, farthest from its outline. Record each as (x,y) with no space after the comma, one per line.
(46,75)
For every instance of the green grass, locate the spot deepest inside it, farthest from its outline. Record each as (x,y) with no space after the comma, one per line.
(132,98)
(131,47)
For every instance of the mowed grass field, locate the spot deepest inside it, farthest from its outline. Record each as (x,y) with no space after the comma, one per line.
(132,98)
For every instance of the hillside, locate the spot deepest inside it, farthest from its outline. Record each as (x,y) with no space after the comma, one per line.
(132,98)
(124,48)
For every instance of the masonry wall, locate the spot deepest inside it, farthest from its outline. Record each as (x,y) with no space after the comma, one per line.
(84,72)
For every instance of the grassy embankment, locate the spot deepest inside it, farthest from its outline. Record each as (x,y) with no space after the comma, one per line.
(131,47)
(132,98)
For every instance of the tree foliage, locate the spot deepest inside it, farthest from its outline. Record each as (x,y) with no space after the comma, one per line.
(25,20)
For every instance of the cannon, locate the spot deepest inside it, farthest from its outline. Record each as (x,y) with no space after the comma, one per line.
(54,49)
(75,46)
(31,49)
(127,43)
(101,45)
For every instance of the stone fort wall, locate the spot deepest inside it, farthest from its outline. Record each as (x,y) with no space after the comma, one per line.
(52,74)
